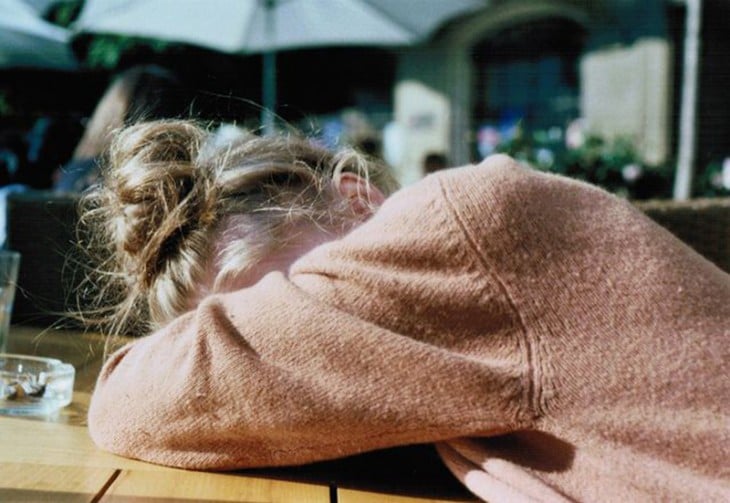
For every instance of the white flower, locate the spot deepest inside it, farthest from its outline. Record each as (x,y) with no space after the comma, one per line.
(716,180)
(575,135)
(488,139)
(726,173)
(555,134)
(631,172)
(545,157)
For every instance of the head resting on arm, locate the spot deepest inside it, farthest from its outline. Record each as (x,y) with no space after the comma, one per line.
(178,215)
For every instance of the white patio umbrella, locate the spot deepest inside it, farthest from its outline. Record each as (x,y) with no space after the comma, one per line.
(41,6)
(26,40)
(267,26)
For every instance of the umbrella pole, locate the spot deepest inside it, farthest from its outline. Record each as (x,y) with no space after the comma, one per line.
(269,92)
(688,113)
(269,71)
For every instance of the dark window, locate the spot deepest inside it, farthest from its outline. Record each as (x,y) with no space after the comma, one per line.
(528,74)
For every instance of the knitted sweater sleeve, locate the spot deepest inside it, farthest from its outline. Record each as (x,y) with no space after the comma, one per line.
(395,334)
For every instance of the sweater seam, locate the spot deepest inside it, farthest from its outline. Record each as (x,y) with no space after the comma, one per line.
(532,391)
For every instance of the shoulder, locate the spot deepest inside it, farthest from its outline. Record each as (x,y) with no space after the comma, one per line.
(503,186)
(486,197)
(496,173)
(503,205)
(501,179)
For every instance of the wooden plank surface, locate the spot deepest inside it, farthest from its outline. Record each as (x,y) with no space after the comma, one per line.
(42,457)
(202,486)
(49,443)
(39,482)
(354,496)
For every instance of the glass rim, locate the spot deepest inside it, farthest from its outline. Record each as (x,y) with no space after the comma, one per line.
(55,366)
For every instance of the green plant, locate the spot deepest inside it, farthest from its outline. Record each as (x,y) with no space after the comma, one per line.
(64,12)
(614,165)
(713,181)
(105,51)
(5,107)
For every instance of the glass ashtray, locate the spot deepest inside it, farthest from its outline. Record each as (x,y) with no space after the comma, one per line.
(34,386)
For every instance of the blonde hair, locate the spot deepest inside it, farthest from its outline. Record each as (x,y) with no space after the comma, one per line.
(170,195)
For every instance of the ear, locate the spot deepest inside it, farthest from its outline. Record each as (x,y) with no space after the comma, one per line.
(362,196)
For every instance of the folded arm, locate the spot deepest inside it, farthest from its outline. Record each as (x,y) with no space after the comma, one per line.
(380,339)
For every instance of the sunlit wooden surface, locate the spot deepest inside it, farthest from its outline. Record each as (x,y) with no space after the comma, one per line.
(53,459)
(353,496)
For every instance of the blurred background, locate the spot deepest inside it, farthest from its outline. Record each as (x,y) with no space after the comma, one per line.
(631,95)
(628,94)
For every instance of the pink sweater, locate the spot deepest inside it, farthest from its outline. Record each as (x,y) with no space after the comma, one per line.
(582,349)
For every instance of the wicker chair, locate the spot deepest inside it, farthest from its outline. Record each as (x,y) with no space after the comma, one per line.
(41,226)
(704,224)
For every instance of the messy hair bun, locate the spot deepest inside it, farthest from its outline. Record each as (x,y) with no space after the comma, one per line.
(158,195)
(170,188)
(152,215)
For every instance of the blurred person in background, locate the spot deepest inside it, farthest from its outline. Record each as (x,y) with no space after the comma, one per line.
(434,161)
(12,154)
(51,143)
(141,92)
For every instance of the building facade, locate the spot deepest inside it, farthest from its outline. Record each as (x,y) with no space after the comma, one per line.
(543,68)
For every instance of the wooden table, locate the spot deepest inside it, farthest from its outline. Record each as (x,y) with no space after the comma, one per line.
(53,459)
